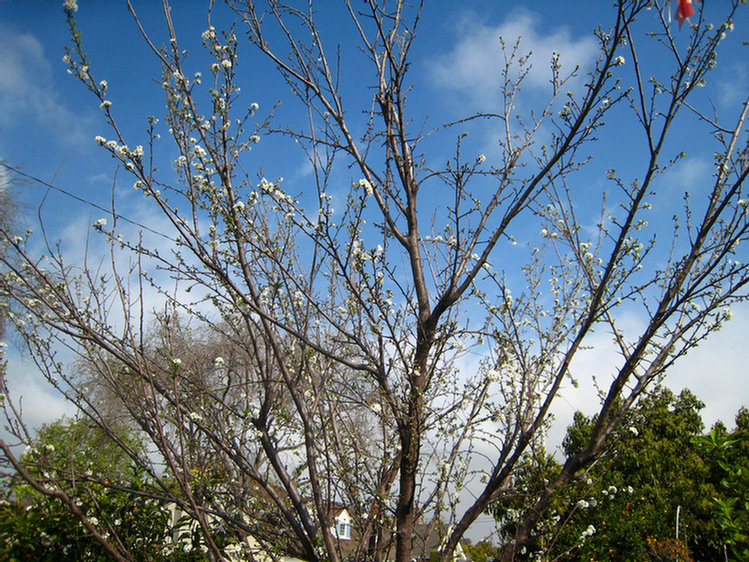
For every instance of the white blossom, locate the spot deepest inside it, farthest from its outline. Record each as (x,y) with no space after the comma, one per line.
(366,185)
(591,530)
(122,151)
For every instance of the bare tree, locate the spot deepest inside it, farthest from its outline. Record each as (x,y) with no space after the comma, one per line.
(309,358)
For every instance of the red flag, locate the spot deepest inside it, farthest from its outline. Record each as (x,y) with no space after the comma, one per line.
(684,9)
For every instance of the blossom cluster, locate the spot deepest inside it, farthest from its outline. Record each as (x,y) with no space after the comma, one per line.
(590,531)
(366,185)
(121,151)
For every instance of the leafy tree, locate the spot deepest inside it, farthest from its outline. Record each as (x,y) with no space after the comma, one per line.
(728,454)
(624,507)
(482,551)
(72,447)
(110,492)
(342,331)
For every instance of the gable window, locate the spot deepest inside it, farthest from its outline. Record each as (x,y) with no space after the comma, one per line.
(343,530)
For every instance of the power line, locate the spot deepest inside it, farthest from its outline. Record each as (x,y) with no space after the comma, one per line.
(84,201)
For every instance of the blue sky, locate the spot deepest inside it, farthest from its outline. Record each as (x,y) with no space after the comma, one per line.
(48,122)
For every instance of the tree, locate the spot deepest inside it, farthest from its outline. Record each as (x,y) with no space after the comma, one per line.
(79,461)
(342,332)
(655,461)
(624,507)
(482,551)
(728,454)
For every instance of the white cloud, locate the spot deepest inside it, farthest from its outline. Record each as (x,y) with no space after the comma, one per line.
(716,372)
(4,179)
(81,244)
(595,365)
(40,402)
(27,90)
(732,88)
(472,69)
(689,174)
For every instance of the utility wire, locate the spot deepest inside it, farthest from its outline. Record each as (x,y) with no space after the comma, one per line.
(84,201)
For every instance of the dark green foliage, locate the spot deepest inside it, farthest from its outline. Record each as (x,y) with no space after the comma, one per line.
(623,508)
(44,530)
(728,454)
(482,551)
(121,502)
